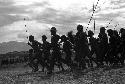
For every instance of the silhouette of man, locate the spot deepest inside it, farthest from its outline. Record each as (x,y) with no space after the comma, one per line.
(46,46)
(111,52)
(55,47)
(71,37)
(31,58)
(67,46)
(117,46)
(122,45)
(103,43)
(94,46)
(81,47)
(37,49)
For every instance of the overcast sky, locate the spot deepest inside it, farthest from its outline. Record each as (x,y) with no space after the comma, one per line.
(65,15)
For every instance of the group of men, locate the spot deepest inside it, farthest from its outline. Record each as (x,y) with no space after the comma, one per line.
(102,50)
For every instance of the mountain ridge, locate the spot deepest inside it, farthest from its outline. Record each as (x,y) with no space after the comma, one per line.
(12,46)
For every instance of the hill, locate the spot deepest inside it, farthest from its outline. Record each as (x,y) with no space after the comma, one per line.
(13,46)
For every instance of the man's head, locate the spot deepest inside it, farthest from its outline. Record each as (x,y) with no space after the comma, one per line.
(110,32)
(53,30)
(116,33)
(31,38)
(79,28)
(70,33)
(30,51)
(44,38)
(122,30)
(63,38)
(102,30)
(90,33)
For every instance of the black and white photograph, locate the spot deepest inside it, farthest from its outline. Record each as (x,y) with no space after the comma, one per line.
(62,41)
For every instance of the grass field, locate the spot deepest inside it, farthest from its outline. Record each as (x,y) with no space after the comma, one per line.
(20,74)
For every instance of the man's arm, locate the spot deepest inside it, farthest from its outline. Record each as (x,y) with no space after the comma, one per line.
(40,45)
(30,44)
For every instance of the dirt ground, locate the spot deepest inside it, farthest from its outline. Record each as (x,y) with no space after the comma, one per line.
(20,74)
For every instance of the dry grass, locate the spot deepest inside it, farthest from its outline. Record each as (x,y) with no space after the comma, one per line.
(21,75)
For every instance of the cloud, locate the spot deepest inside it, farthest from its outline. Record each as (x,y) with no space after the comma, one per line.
(65,15)
(10,13)
(26,2)
(17,30)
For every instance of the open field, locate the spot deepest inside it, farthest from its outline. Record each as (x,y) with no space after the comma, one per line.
(21,75)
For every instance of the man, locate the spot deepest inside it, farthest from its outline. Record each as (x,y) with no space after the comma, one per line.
(67,46)
(94,47)
(46,46)
(55,47)
(81,47)
(117,47)
(71,37)
(122,46)
(31,58)
(38,53)
(103,45)
(112,47)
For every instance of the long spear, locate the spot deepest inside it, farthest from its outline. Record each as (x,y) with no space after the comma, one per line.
(108,24)
(94,26)
(116,26)
(94,8)
(26,27)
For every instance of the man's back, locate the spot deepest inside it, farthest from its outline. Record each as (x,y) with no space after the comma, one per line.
(67,46)
(81,39)
(103,39)
(46,46)
(54,42)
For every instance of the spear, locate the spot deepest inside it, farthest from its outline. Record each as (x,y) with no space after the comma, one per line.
(26,27)
(94,8)
(91,16)
(94,26)
(116,26)
(108,24)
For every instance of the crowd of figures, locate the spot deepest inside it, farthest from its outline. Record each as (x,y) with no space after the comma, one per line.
(108,49)
(14,60)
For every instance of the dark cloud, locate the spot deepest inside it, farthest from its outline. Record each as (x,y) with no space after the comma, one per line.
(4,3)
(11,9)
(22,35)
(42,4)
(117,1)
(106,17)
(5,31)
(7,6)
(64,21)
(7,19)
(53,16)
(6,9)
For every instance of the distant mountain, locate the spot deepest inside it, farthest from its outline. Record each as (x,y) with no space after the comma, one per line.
(14,54)
(13,46)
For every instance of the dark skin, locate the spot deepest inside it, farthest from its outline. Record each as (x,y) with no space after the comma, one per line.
(44,40)
(54,42)
(53,32)
(37,48)
(33,41)
(66,48)
(46,53)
